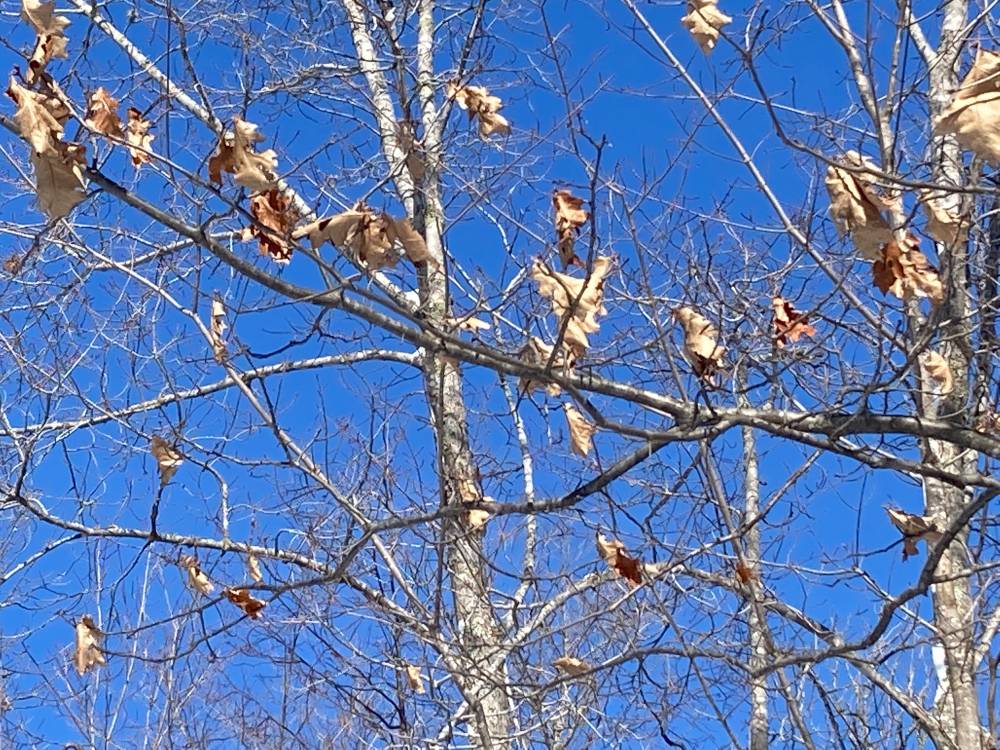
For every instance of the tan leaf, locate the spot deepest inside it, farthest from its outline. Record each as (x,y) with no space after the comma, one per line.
(253,567)
(577,302)
(242,599)
(975,109)
(479,103)
(370,236)
(571,665)
(704,21)
(217,326)
(856,205)
(468,324)
(413,244)
(789,325)
(580,430)
(59,180)
(414,679)
(255,171)
(906,272)
(938,370)
(700,347)
(913,528)
(139,139)
(569,218)
(197,579)
(102,114)
(13,265)
(39,117)
(168,459)
(613,553)
(87,653)
(477,517)
(943,225)
(336,230)
(410,145)
(51,41)
(537,352)
(275,213)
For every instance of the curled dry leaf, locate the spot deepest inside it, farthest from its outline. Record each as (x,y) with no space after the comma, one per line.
(943,225)
(102,114)
(938,370)
(613,553)
(168,459)
(569,218)
(913,528)
(789,325)
(13,265)
(223,160)
(87,653)
(197,579)
(414,679)
(138,137)
(479,103)
(253,567)
(700,347)
(704,21)
(571,665)
(242,599)
(39,117)
(745,574)
(577,302)
(276,217)
(537,352)
(580,430)
(477,517)
(856,205)
(410,145)
(51,41)
(905,271)
(372,237)
(974,112)
(468,324)
(217,326)
(237,155)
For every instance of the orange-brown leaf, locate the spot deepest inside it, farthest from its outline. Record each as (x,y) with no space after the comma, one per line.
(242,599)
(789,325)
(570,216)
(905,271)
(139,139)
(276,217)
(613,553)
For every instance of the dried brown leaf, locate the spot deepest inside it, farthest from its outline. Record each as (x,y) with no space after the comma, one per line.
(168,459)
(414,679)
(59,180)
(197,579)
(938,370)
(576,301)
(50,42)
(700,347)
(789,325)
(223,160)
(275,216)
(87,653)
(704,20)
(242,599)
(613,553)
(479,103)
(975,109)
(139,139)
(905,271)
(943,224)
(255,171)
(572,665)
(857,203)
(913,528)
(580,430)
(102,114)
(253,567)
(537,352)
(39,118)
(568,220)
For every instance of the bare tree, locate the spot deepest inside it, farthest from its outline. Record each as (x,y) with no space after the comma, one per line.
(415,375)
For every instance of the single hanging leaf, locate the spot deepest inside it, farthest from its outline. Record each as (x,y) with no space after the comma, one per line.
(216,327)
(51,41)
(414,679)
(974,112)
(704,21)
(410,145)
(580,430)
(197,579)
(242,599)
(102,114)
(569,218)
(13,265)
(905,271)
(745,574)
(168,459)
(613,553)
(477,517)
(943,225)
(413,244)
(537,352)
(700,347)
(139,139)
(467,324)
(275,212)
(87,653)
(789,325)
(223,160)
(571,665)
(914,528)
(577,302)
(253,567)
(479,103)
(39,117)
(938,370)
(59,180)
(253,171)
(857,203)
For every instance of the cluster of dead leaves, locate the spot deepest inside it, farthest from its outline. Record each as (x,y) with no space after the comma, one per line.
(275,216)
(914,528)
(237,155)
(481,105)
(102,117)
(789,325)
(87,652)
(372,237)
(570,216)
(50,42)
(613,552)
(975,109)
(700,344)
(575,301)
(704,20)
(241,597)
(905,271)
(857,203)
